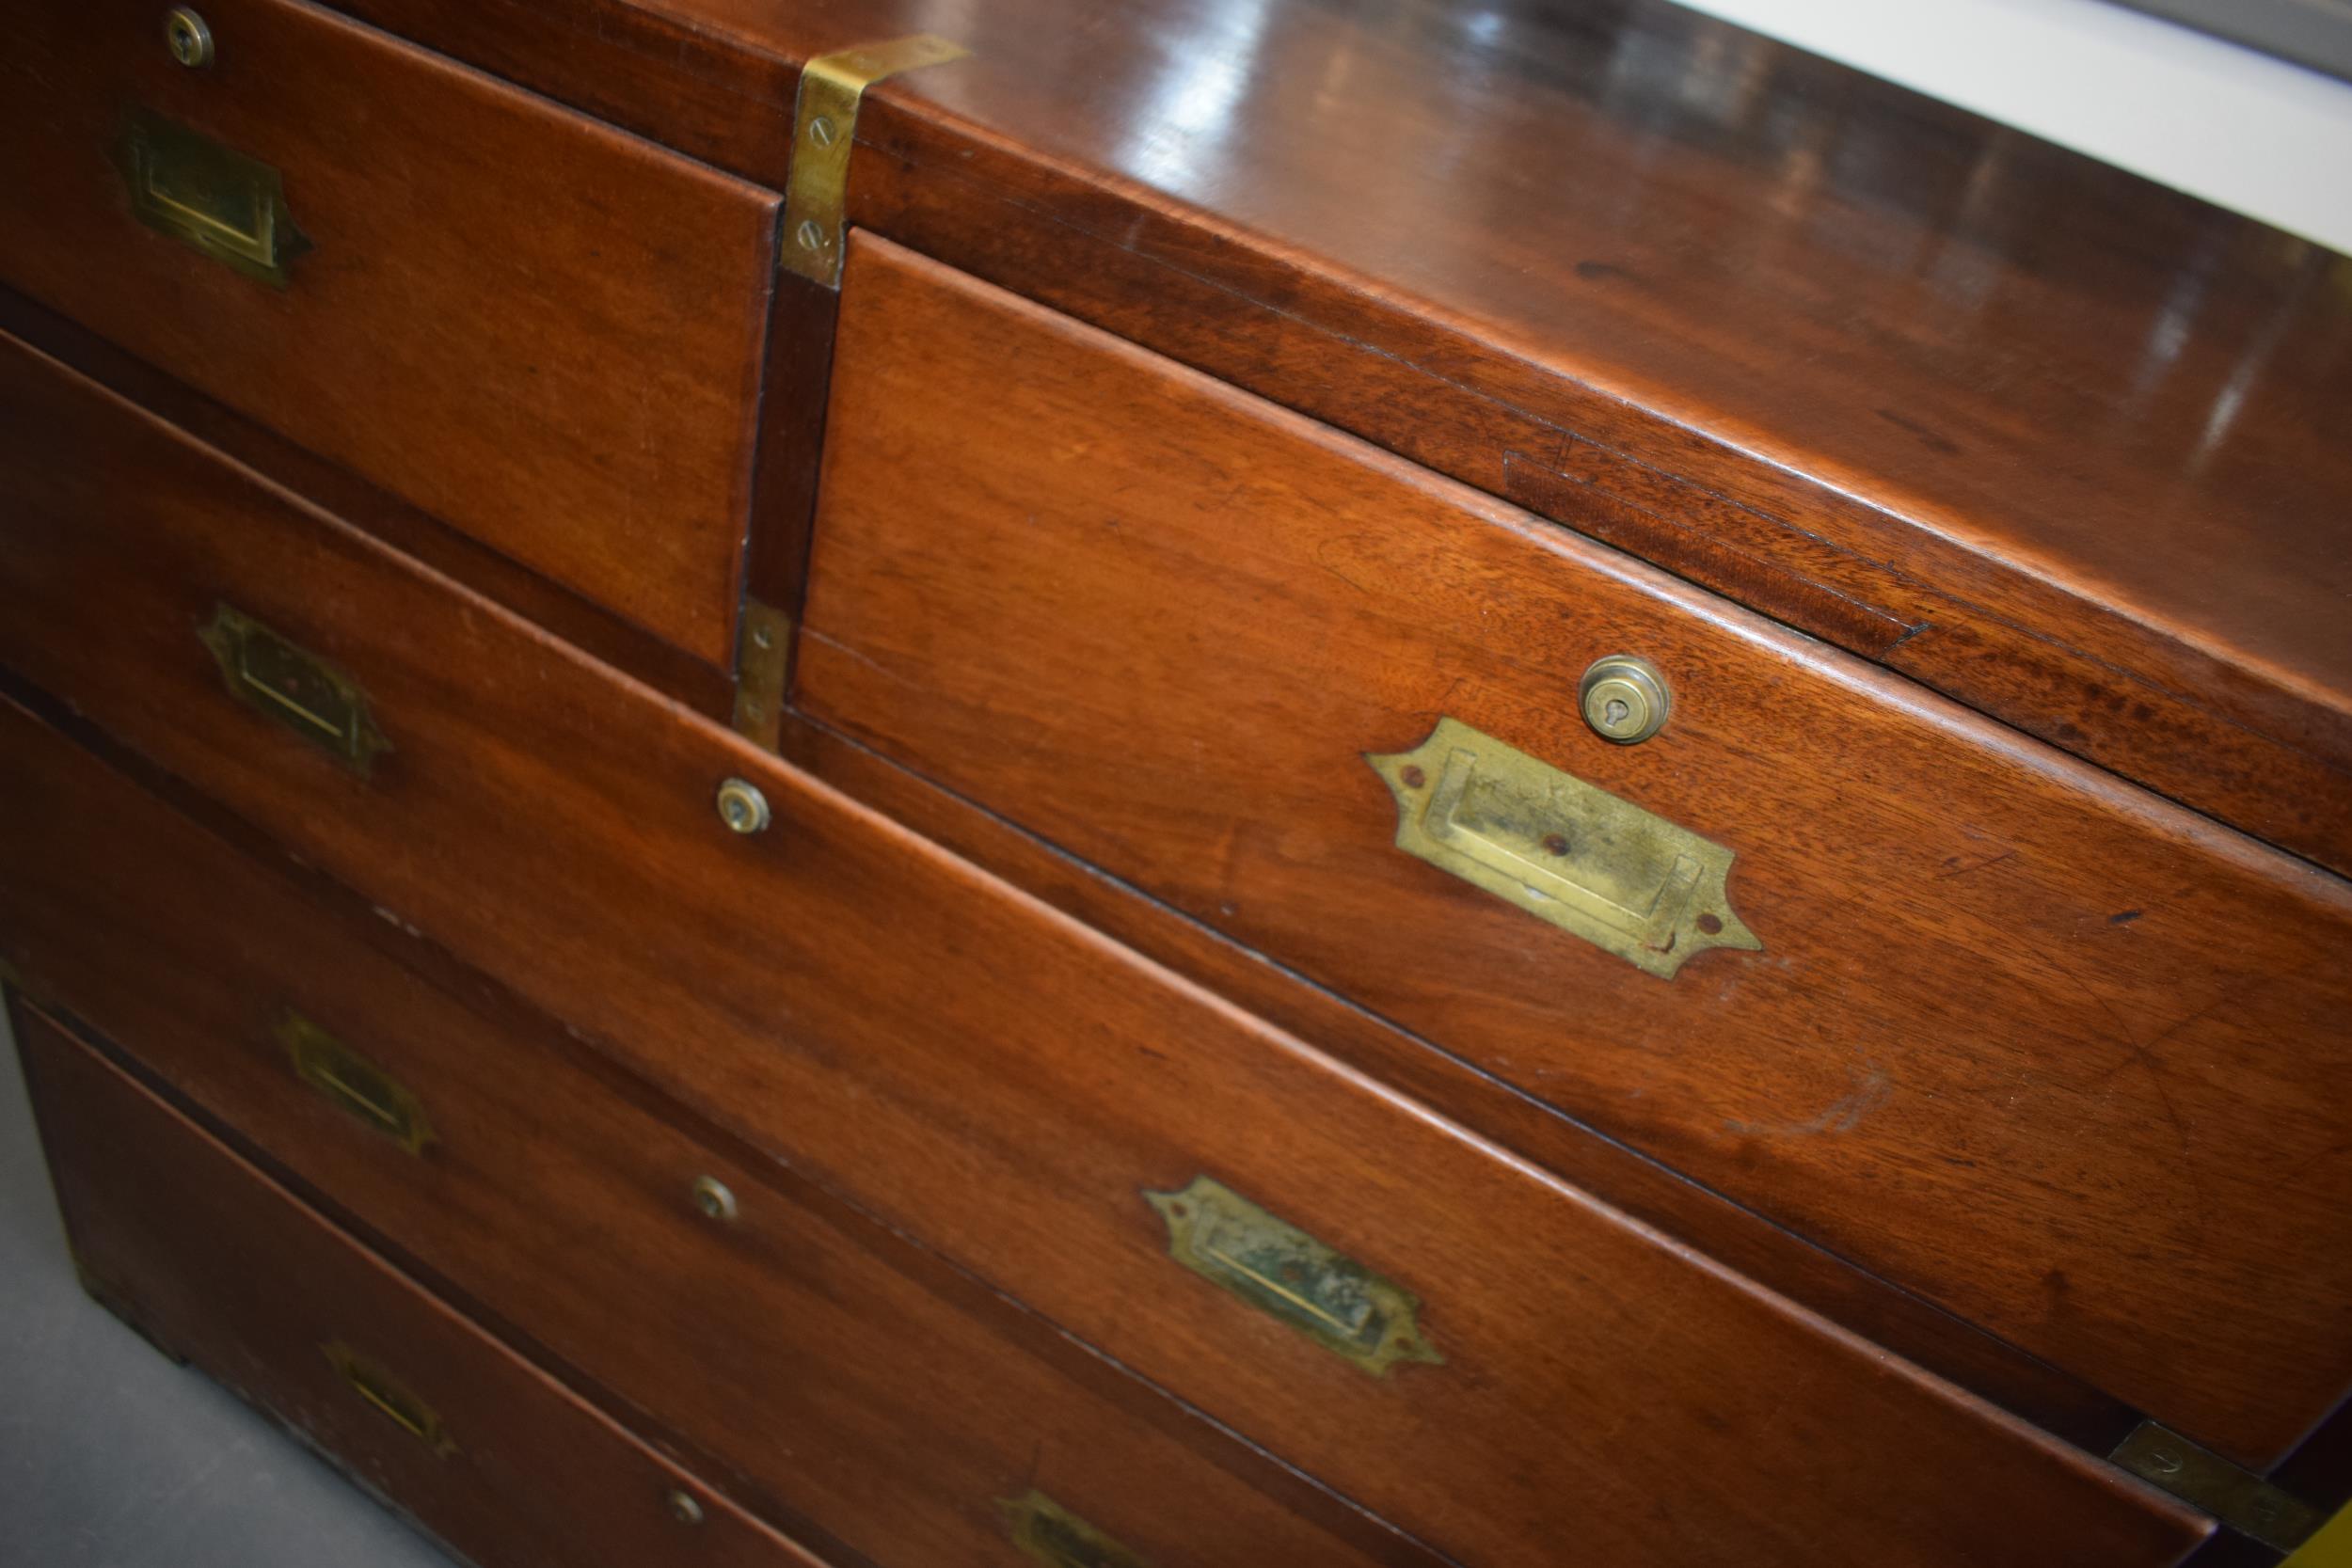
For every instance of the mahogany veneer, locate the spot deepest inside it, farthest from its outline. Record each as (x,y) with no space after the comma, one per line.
(690,913)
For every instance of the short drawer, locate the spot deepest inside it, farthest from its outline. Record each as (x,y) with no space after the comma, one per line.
(848,1378)
(1473,1350)
(219,1266)
(2050,1052)
(543,330)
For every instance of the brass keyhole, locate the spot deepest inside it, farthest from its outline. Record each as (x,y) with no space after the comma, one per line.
(188,38)
(742,807)
(1625,698)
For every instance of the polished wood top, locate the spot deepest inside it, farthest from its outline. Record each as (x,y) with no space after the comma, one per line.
(2049,438)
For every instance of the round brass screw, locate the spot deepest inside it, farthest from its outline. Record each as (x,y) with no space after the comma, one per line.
(1625,698)
(684,1508)
(822,131)
(742,807)
(714,1198)
(811,234)
(188,39)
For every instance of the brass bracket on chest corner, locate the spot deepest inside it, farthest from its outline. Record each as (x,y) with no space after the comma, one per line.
(824,121)
(2203,1479)
(763,647)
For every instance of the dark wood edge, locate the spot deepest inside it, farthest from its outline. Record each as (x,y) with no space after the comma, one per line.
(1018,1324)
(580,621)
(792,431)
(2225,1548)
(2319,1470)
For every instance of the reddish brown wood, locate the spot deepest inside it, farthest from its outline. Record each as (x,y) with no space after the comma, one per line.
(666,77)
(543,330)
(2070,426)
(702,687)
(1649,1192)
(206,1257)
(802,1347)
(985,1074)
(2065,1060)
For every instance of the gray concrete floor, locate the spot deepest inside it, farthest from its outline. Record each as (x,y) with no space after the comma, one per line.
(112,1457)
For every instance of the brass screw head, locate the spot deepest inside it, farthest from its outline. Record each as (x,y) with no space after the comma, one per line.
(1625,698)
(742,807)
(188,36)
(822,131)
(811,234)
(684,1508)
(714,1198)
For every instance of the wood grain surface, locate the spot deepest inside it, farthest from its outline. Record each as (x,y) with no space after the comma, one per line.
(798,1347)
(2064,1059)
(2044,436)
(987,1075)
(545,332)
(581,621)
(216,1264)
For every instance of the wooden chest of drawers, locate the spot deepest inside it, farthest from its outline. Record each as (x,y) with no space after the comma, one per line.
(763,804)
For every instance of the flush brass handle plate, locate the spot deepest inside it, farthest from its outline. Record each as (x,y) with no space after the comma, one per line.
(352,1083)
(296,687)
(1051,1536)
(1569,852)
(389,1398)
(209,197)
(1293,1278)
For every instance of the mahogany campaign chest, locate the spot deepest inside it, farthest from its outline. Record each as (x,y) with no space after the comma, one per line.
(1206,783)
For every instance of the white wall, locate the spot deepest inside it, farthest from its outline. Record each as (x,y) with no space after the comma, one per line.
(2240,129)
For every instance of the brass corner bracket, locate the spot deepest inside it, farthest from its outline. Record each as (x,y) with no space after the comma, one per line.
(2203,1479)
(824,122)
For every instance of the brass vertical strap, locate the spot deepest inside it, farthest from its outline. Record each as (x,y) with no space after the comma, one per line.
(824,121)
(763,646)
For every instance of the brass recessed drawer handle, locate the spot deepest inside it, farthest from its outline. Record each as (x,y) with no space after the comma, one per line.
(1051,1536)
(353,1084)
(389,1397)
(1291,1277)
(209,197)
(306,693)
(1568,852)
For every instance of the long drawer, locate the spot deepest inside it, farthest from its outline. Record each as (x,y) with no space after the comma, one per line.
(840,1372)
(1477,1352)
(219,1266)
(543,330)
(2066,1060)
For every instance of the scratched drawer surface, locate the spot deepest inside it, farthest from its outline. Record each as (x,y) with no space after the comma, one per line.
(2061,1059)
(543,330)
(876,1399)
(1479,1354)
(219,1266)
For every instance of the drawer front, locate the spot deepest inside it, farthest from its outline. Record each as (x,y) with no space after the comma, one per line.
(544,330)
(220,1266)
(2068,1061)
(1041,1105)
(858,1396)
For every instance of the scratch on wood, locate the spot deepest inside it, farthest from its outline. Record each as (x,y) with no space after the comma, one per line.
(1842,1116)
